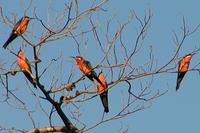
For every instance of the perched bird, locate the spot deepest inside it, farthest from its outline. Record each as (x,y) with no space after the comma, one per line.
(19,28)
(183,68)
(103,92)
(86,68)
(25,67)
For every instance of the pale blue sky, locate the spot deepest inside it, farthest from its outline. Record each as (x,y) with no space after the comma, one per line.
(175,112)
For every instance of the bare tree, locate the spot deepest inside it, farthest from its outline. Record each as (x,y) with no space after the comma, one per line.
(56,97)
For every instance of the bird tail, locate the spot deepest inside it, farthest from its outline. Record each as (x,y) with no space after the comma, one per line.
(104,100)
(31,78)
(10,39)
(177,84)
(179,79)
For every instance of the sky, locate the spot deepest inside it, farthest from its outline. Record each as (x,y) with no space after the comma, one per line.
(175,112)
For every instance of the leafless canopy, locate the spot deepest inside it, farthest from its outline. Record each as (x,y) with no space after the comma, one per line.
(67,99)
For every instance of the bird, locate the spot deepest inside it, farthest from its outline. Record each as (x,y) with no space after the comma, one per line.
(182,69)
(86,68)
(103,91)
(25,67)
(19,28)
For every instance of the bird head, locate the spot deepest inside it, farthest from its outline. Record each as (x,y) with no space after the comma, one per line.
(26,19)
(188,57)
(21,53)
(78,59)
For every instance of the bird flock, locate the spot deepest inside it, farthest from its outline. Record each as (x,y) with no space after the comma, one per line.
(84,66)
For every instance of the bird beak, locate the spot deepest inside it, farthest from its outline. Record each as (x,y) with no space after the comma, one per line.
(72,57)
(28,17)
(31,18)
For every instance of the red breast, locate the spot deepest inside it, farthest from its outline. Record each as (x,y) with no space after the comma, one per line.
(103,80)
(21,61)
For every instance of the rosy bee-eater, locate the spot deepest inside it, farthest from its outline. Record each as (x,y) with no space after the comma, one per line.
(183,68)
(19,28)
(86,68)
(25,67)
(103,92)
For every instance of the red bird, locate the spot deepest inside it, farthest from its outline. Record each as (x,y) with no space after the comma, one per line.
(86,68)
(103,91)
(25,67)
(183,68)
(19,28)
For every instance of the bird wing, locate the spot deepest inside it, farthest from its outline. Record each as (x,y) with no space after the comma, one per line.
(28,74)
(88,64)
(180,65)
(102,85)
(104,100)
(184,64)
(17,24)
(88,68)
